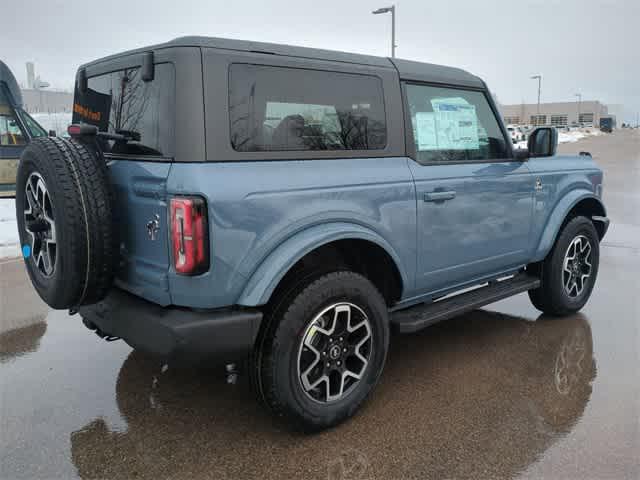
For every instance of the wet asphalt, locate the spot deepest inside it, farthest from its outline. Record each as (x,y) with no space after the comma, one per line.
(498,393)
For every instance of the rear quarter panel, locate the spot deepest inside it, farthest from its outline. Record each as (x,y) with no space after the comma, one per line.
(256,206)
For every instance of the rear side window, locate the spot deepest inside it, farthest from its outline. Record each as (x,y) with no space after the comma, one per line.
(120,102)
(452,125)
(290,109)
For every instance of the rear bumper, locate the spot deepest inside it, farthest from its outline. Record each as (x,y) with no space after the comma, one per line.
(177,334)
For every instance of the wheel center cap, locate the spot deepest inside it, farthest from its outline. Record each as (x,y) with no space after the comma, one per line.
(334,352)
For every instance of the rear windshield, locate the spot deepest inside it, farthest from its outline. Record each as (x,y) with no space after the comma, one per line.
(120,102)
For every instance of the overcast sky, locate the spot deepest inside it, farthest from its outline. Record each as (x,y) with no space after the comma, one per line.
(586,46)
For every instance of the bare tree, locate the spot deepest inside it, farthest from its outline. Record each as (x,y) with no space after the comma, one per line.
(130,100)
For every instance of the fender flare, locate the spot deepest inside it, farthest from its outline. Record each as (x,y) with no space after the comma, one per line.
(556,219)
(274,267)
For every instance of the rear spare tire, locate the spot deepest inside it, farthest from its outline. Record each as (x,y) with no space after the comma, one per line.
(64,213)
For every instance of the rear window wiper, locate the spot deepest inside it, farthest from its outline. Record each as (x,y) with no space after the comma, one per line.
(128,135)
(86,130)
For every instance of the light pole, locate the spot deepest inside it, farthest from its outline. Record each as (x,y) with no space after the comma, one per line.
(579,95)
(539,77)
(391,9)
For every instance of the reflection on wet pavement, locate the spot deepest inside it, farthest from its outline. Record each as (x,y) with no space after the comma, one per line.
(497,389)
(21,341)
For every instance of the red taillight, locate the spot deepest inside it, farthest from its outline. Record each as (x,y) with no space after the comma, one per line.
(189,239)
(73,129)
(82,130)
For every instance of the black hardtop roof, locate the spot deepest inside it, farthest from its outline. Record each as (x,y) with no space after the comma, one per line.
(409,70)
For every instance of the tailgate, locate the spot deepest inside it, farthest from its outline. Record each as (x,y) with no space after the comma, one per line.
(141,223)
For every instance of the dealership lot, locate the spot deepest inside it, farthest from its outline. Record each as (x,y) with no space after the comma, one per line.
(498,393)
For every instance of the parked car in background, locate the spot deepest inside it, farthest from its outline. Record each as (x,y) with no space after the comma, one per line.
(607,124)
(17,129)
(517,133)
(525,132)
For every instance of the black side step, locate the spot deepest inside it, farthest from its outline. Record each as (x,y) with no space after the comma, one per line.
(416,318)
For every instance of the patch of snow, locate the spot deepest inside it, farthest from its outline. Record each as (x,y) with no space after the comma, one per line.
(9,240)
(568,137)
(54,121)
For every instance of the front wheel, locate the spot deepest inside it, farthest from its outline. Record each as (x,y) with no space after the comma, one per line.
(568,274)
(322,351)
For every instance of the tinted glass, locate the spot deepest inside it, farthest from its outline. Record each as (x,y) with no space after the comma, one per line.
(452,125)
(289,109)
(34,129)
(120,102)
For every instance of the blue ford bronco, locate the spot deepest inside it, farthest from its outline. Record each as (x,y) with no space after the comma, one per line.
(229,200)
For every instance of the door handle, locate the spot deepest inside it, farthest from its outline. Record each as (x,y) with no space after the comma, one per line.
(439,196)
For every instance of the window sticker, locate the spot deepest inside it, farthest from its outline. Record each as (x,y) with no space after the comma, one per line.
(426,131)
(454,125)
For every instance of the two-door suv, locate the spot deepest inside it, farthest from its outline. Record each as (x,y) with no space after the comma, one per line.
(228,200)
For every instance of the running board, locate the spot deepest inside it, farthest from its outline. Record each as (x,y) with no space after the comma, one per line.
(420,316)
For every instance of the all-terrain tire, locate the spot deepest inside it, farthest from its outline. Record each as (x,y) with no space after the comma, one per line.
(551,297)
(277,351)
(79,206)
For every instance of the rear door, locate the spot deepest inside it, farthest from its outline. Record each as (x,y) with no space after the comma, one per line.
(119,101)
(474,201)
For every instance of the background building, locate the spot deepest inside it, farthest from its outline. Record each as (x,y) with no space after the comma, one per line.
(558,114)
(38,98)
(31,75)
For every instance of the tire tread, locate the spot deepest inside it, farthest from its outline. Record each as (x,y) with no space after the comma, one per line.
(549,298)
(78,176)
(266,358)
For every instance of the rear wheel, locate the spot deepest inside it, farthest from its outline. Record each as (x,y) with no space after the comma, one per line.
(568,274)
(322,350)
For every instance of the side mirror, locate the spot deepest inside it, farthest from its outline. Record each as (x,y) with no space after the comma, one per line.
(543,142)
(521,154)
(52,133)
